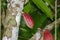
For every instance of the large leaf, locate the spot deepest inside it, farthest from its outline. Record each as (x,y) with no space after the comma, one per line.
(41,5)
(49,2)
(39,19)
(29,8)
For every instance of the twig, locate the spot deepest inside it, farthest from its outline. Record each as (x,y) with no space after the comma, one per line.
(37,35)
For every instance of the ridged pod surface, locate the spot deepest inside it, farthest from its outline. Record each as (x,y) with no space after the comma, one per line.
(48,35)
(28,20)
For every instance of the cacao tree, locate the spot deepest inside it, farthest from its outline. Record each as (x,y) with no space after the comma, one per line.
(28,19)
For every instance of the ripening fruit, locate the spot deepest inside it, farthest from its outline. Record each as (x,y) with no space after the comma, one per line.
(47,35)
(28,20)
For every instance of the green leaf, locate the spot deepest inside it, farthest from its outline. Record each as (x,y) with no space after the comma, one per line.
(49,2)
(27,8)
(39,19)
(41,5)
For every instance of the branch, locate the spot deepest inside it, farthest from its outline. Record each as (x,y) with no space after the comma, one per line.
(52,25)
(37,35)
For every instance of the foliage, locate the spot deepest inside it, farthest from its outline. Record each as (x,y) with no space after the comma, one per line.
(40,12)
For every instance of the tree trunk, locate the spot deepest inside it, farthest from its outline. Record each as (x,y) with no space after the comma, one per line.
(12,19)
